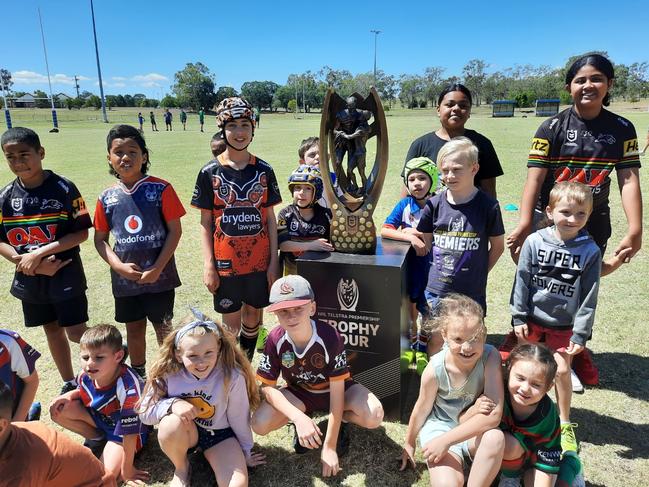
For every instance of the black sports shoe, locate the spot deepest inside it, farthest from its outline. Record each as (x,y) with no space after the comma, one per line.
(68,386)
(342,444)
(140,370)
(299,449)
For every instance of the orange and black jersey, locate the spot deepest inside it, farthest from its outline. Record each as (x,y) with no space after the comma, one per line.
(586,151)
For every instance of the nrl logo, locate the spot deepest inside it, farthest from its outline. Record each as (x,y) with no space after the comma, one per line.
(571,135)
(347,292)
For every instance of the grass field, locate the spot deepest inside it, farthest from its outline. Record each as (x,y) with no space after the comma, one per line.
(613,418)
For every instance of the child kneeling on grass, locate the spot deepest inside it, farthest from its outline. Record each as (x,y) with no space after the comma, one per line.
(199,392)
(311,357)
(465,371)
(102,408)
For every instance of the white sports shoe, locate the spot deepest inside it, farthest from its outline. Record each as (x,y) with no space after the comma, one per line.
(577,386)
(509,481)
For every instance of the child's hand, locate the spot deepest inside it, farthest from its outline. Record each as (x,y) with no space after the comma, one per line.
(574,348)
(308,433)
(419,245)
(27,263)
(184,410)
(150,275)
(59,404)
(632,242)
(435,450)
(329,459)
(612,263)
(133,476)
(407,457)
(211,279)
(255,459)
(129,270)
(321,245)
(482,405)
(514,241)
(51,265)
(521,332)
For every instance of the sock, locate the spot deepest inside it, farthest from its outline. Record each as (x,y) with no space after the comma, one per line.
(248,339)
(565,422)
(72,382)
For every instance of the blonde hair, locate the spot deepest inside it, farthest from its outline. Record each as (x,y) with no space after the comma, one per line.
(573,192)
(459,145)
(455,307)
(230,357)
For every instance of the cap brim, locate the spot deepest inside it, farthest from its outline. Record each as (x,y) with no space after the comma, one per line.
(291,303)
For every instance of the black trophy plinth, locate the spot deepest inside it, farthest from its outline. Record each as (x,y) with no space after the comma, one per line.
(364,298)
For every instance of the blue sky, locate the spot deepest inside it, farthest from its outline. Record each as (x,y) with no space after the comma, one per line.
(143,43)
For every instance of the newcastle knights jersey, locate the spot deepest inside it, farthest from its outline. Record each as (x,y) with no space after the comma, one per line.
(33,217)
(137,219)
(238,200)
(586,151)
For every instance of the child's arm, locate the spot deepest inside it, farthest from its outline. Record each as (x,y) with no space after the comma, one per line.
(174,232)
(329,457)
(319,245)
(518,302)
(8,252)
(629,183)
(496,248)
(273,264)
(531,190)
(423,407)
(129,472)
(612,263)
(128,270)
(585,315)
(210,276)
(27,397)
(435,449)
(27,263)
(410,235)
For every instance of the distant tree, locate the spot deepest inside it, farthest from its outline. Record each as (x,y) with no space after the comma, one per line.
(282,96)
(292,105)
(224,92)
(259,93)
(93,101)
(42,100)
(387,86)
(84,95)
(129,101)
(169,102)
(474,76)
(336,79)
(194,86)
(5,77)
(411,90)
(432,83)
(138,99)
(111,101)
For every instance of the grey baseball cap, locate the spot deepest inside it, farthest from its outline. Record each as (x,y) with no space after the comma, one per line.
(290,292)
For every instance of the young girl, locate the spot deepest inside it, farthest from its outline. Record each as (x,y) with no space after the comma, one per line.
(531,423)
(199,392)
(143,214)
(465,369)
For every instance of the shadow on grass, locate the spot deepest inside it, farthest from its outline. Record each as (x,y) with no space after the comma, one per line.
(604,430)
(624,372)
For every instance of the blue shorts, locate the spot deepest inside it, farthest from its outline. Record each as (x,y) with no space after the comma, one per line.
(434,427)
(208,438)
(106,426)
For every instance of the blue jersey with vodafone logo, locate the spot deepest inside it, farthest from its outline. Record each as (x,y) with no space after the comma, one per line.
(137,219)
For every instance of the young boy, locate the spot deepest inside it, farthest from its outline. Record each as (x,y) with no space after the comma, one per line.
(143,213)
(102,409)
(183,118)
(236,194)
(35,454)
(18,371)
(310,356)
(44,219)
(555,290)
(304,225)
(420,177)
(309,153)
(167,117)
(154,126)
(464,227)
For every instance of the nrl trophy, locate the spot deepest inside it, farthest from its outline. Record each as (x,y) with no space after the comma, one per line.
(346,127)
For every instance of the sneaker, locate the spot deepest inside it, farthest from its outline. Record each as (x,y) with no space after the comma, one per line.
(421,360)
(568,438)
(509,481)
(96,446)
(67,387)
(140,370)
(342,444)
(34,413)
(577,386)
(407,356)
(299,449)
(261,339)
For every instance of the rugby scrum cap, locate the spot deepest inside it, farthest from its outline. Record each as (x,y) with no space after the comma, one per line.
(233,108)
(289,292)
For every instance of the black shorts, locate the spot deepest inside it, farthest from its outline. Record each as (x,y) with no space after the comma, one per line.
(599,227)
(157,307)
(233,291)
(208,438)
(70,312)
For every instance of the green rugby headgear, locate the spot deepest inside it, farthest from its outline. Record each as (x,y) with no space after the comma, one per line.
(425,165)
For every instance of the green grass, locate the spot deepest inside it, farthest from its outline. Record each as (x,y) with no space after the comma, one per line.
(613,417)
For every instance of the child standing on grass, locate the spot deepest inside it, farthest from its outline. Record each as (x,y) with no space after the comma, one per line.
(420,177)
(43,220)
(143,214)
(555,290)
(304,225)
(140,120)
(154,126)
(464,228)
(310,356)
(102,409)
(18,371)
(531,424)
(236,193)
(199,393)
(464,372)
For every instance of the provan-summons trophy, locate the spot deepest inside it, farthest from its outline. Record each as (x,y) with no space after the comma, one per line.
(345,129)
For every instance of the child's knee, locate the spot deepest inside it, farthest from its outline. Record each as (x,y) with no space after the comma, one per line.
(493,439)
(260,421)
(170,426)
(375,418)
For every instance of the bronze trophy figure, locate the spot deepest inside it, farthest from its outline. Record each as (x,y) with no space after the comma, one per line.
(345,130)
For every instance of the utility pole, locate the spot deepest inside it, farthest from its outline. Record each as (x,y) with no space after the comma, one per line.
(376,34)
(76,84)
(101,85)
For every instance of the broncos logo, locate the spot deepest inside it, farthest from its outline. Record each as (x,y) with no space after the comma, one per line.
(205,409)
